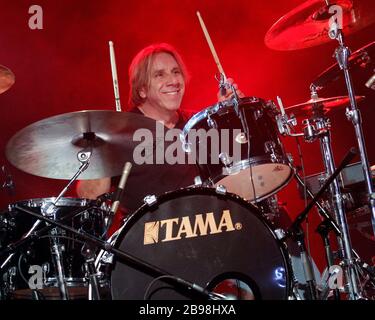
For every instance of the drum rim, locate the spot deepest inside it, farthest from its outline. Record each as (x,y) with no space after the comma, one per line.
(130,220)
(201,115)
(63,202)
(256,163)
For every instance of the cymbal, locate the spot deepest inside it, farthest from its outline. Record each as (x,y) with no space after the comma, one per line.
(328,104)
(360,58)
(48,148)
(7,79)
(308,24)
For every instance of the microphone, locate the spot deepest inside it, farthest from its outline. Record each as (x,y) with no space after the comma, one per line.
(120,188)
(371,82)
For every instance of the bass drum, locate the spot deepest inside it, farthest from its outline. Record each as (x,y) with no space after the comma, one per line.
(217,241)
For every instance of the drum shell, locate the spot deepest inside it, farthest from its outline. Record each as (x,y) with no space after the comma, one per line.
(266,164)
(88,216)
(203,258)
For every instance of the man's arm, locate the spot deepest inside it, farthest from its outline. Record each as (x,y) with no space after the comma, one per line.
(91,189)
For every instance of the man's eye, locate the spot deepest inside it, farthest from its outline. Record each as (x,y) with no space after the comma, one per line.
(177,72)
(158,75)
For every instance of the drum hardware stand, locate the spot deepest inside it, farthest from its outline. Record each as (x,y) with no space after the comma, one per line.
(295,230)
(323,229)
(88,253)
(319,127)
(132,261)
(342,54)
(331,225)
(84,158)
(47,209)
(322,131)
(57,255)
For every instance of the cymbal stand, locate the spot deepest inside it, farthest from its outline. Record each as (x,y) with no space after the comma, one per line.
(48,210)
(342,54)
(329,224)
(84,158)
(88,252)
(318,127)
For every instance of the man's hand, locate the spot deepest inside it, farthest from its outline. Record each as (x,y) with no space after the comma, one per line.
(229,92)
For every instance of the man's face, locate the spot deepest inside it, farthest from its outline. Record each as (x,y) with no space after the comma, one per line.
(167,84)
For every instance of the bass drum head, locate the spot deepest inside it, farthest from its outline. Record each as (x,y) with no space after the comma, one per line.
(219,242)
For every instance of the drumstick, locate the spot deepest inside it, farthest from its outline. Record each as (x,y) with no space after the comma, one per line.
(114,76)
(212,48)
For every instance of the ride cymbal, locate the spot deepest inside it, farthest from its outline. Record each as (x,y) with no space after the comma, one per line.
(49,148)
(327,104)
(362,58)
(308,24)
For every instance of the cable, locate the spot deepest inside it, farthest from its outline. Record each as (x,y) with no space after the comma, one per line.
(148,289)
(247,133)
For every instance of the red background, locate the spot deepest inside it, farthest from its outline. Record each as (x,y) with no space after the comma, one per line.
(65,67)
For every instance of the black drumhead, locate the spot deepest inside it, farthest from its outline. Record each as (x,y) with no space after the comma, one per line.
(211,240)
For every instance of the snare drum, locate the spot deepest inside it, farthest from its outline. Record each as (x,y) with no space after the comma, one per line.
(254,168)
(217,241)
(32,264)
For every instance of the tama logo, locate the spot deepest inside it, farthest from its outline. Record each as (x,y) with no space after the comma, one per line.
(188,227)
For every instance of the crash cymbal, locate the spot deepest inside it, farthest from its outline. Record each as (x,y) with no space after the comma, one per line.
(362,58)
(308,24)
(7,79)
(48,148)
(328,104)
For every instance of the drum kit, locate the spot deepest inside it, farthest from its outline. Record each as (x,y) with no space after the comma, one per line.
(216,239)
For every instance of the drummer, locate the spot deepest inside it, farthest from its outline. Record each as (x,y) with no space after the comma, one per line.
(158,78)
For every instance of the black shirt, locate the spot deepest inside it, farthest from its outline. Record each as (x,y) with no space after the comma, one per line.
(155,179)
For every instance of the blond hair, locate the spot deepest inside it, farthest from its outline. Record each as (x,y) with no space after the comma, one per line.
(140,70)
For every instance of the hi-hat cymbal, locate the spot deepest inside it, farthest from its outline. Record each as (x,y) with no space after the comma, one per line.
(308,24)
(7,79)
(48,148)
(327,104)
(362,58)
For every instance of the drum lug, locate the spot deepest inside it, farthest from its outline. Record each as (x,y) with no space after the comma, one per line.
(225,159)
(269,147)
(107,258)
(280,234)
(198,181)
(258,114)
(220,189)
(186,146)
(211,122)
(241,138)
(150,200)
(290,158)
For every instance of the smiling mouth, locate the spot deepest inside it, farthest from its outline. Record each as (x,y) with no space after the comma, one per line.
(172,92)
